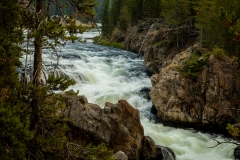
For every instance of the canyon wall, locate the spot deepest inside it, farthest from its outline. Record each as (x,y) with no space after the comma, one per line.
(209,101)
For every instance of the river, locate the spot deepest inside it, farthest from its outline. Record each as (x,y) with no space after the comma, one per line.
(105,74)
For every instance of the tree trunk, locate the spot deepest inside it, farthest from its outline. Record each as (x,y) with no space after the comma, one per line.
(35,104)
(37,61)
(38,44)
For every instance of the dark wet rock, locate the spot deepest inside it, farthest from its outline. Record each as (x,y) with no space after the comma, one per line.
(153,110)
(237,153)
(71,56)
(149,147)
(144,92)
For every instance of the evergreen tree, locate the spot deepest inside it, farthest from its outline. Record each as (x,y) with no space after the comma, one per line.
(218,22)
(14,125)
(176,12)
(105,18)
(135,10)
(151,8)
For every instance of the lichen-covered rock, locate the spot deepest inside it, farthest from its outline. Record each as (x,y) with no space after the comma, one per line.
(210,100)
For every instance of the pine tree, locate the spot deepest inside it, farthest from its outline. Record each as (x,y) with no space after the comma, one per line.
(14,125)
(176,12)
(151,8)
(135,10)
(105,18)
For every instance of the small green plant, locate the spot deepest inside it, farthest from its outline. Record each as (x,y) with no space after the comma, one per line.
(100,152)
(162,43)
(194,64)
(219,53)
(97,39)
(234,58)
(196,93)
(233,131)
(106,42)
(117,45)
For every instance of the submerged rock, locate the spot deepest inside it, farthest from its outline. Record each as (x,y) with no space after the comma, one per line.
(118,125)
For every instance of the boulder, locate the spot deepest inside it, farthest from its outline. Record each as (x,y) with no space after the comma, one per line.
(149,148)
(118,125)
(237,153)
(120,155)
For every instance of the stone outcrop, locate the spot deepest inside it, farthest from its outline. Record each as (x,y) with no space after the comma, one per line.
(211,100)
(117,125)
(157,43)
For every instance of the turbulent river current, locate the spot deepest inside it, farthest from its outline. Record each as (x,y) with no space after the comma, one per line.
(105,74)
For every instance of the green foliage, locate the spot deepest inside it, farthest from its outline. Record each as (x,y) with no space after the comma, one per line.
(100,152)
(162,43)
(194,64)
(112,44)
(106,42)
(124,19)
(135,8)
(105,18)
(61,83)
(233,131)
(218,21)
(219,53)
(176,12)
(14,130)
(97,39)
(151,8)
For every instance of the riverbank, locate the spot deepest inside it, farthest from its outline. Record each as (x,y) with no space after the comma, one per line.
(191,86)
(105,74)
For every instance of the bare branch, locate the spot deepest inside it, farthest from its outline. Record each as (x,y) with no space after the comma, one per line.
(218,143)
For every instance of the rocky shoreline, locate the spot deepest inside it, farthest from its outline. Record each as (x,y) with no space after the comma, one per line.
(208,102)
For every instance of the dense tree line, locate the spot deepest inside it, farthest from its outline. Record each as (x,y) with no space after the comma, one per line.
(217,21)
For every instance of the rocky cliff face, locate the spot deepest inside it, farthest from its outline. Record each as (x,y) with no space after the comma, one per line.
(157,42)
(117,125)
(213,99)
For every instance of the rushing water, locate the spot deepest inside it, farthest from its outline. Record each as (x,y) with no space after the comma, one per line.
(105,74)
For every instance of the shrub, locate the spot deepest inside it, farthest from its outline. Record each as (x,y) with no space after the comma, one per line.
(97,39)
(194,64)
(106,42)
(219,53)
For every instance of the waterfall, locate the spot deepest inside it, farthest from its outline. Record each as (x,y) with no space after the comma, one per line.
(168,153)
